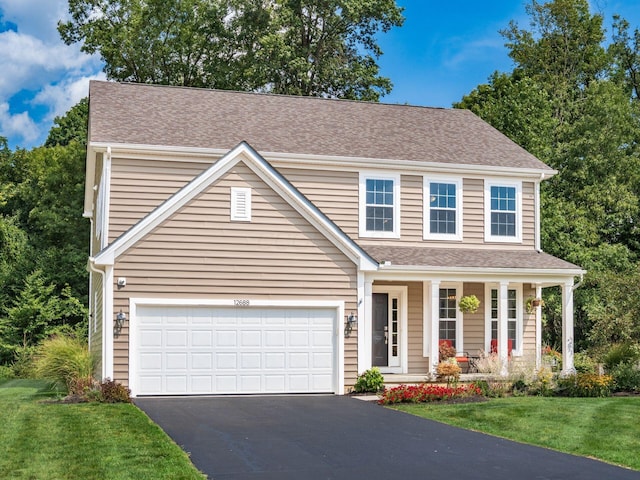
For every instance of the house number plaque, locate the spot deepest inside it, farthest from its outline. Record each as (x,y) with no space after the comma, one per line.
(241,303)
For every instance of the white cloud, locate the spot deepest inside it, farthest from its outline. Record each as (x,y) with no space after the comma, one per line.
(20,125)
(41,76)
(59,98)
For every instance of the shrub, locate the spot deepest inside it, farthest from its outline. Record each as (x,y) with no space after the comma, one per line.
(489,363)
(627,353)
(65,360)
(543,384)
(6,373)
(585,385)
(583,363)
(426,393)
(370,381)
(626,378)
(114,392)
(23,365)
(446,351)
(449,370)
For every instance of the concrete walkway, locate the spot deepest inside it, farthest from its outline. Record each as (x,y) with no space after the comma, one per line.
(339,437)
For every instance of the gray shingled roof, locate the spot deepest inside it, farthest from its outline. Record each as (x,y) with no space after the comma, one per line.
(467,258)
(128,113)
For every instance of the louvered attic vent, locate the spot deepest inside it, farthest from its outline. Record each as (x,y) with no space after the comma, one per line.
(240,204)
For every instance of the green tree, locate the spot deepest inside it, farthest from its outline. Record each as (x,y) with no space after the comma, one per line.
(70,127)
(313,47)
(568,100)
(36,313)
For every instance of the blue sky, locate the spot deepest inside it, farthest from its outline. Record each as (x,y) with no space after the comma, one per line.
(443,51)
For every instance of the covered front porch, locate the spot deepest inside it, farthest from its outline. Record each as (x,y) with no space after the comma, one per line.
(407,311)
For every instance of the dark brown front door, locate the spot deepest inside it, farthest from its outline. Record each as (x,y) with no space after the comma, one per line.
(380,348)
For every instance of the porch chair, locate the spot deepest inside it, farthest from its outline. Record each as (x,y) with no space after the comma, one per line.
(494,346)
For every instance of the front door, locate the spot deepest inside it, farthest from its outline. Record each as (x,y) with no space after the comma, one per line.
(385,347)
(380,346)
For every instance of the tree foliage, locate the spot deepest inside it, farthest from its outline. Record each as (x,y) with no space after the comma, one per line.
(573,103)
(312,47)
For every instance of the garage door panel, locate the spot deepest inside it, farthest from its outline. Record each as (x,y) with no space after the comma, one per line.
(228,350)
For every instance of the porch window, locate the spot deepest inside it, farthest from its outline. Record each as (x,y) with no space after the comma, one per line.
(503,211)
(512,315)
(448,314)
(443,209)
(379,206)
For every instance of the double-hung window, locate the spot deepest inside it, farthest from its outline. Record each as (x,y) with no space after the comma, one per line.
(448,314)
(379,205)
(503,212)
(442,208)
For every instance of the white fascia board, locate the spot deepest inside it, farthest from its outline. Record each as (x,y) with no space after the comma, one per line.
(301,160)
(89,177)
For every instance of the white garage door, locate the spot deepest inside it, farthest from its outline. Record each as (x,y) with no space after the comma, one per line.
(210,350)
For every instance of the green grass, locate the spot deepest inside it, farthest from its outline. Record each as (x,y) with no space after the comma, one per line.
(90,441)
(604,428)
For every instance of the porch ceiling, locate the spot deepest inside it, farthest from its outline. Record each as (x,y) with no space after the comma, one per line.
(428,258)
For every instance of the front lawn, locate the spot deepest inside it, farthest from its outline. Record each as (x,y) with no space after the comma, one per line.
(604,428)
(89,441)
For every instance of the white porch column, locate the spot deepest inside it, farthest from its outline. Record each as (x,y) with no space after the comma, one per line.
(365,321)
(435,325)
(503,326)
(567,328)
(538,313)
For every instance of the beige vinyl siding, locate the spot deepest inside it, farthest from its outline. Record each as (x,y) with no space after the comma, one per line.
(417,363)
(473,324)
(528,214)
(528,325)
(411,215)
(473,211)
(335,193)
(139,186)
(199,253)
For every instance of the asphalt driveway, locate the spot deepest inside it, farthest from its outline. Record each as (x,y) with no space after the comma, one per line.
(336,437)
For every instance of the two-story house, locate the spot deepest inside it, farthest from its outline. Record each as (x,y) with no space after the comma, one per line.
(250,243)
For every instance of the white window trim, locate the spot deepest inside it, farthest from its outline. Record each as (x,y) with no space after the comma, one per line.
(238,215)
(362,191)
(518,348)
(487,211)
(426,215)
(459,318)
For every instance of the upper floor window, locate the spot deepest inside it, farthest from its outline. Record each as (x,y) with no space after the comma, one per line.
(503,212)
(379,205)
(443,209)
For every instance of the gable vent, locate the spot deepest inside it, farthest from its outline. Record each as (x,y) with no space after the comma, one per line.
(240,204)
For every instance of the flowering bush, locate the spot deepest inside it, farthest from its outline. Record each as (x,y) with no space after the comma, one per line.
(446,351)
(426,393)
(449,370)
(585,385)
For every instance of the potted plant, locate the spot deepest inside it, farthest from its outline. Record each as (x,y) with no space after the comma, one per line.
(532,303)
(469,304)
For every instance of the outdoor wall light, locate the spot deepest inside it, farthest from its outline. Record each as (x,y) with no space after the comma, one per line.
(351,321)
(120,319)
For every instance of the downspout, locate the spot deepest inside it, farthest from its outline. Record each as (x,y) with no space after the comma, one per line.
(93,269)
